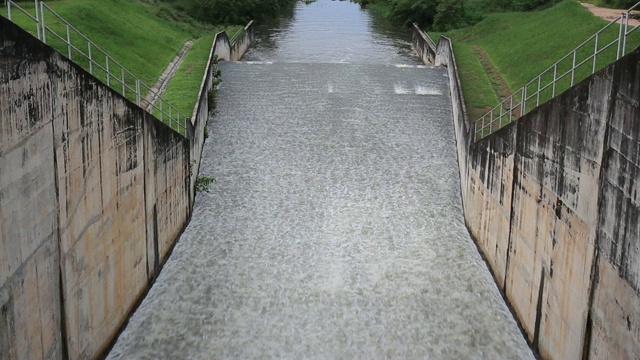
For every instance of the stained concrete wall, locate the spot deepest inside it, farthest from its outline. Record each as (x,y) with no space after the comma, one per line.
(94,193)
(77,162)
(552,202)
(221,50)
(225,51)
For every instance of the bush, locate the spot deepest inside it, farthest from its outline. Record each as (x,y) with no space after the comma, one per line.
(229,11)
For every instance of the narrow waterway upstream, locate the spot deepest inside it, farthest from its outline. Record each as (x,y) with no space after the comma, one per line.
(335,229)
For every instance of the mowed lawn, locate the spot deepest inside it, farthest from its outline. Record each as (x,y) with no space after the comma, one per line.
(520,45)
(142,37)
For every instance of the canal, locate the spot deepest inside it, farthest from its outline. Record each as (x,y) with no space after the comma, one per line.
(334,229)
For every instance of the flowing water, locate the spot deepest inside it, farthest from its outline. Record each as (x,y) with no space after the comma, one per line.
(335,229)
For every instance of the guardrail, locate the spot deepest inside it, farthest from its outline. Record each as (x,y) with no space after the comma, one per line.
(80,49)
(577,64)
(237,36)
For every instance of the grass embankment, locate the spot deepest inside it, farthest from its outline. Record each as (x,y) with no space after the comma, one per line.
(129,31)
(182,91)
(516,47)
(143,36)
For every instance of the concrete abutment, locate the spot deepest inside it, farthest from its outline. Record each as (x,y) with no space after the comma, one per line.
(94,193)
(552,202)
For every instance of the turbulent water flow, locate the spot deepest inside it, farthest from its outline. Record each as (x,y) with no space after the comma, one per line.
(334,230)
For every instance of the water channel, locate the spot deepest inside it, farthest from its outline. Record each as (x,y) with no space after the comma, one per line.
(335,229)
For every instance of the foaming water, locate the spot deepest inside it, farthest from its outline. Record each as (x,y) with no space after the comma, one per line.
(334,229)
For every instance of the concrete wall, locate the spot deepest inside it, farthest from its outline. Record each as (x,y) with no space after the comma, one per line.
(221,50)
(552,202)
(94,192)
(233,52)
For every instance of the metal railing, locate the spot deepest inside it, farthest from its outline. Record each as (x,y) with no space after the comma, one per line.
(80,49)
(237,36)
(578,64)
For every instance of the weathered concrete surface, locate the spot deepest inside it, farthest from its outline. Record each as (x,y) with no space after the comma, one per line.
(615,312)
(77,164)
(29,245)
(552,202)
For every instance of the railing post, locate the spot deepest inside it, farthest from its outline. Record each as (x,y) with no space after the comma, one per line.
(90,58)
(620,35)
(68,42)
(573,67)
(626,27)
(44,26)
(595,55)
(555,73)
(491,123)
(106,60)
(524,100)
(137,91)
(510,108)
(9,9)
(123,86)
(538,93)
(37,19)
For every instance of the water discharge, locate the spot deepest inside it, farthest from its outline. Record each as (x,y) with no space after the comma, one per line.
(335,229)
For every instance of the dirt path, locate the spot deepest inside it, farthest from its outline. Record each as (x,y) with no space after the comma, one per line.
(610,14)
(161,85)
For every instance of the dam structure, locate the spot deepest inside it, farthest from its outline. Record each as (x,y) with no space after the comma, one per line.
(335,226)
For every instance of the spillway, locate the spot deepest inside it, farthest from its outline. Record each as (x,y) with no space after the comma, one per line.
(334,229)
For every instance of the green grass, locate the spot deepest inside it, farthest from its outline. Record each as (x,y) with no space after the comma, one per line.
(183,88)
(182,91)
(520,45)
(142,36)
(476,86)
(128,30)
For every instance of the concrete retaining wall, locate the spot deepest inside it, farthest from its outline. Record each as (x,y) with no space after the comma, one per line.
(94,192)
(552,202)
(221,50)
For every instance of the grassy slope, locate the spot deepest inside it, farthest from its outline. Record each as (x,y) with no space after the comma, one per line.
(128,30)
(144,36)
(476,86)
(183,88)
(521,45)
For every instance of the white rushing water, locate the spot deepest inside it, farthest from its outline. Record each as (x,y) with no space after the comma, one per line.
(335,229)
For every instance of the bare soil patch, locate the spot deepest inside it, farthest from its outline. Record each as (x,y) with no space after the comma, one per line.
(610,14)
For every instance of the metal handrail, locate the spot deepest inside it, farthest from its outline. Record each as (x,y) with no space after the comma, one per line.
(515,106)
(237,36)
(117,76)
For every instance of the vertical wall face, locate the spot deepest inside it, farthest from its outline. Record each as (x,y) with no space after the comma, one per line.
(553,203)
(167,195)
(77,165)
(99,152)
(488,197)
(94,193)
(29,263)
(559,150)
(615,313)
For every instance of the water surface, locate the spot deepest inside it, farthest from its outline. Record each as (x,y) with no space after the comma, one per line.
(335,229)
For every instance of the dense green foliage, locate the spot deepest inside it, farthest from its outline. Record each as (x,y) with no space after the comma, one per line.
(444,15)
(228,11)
